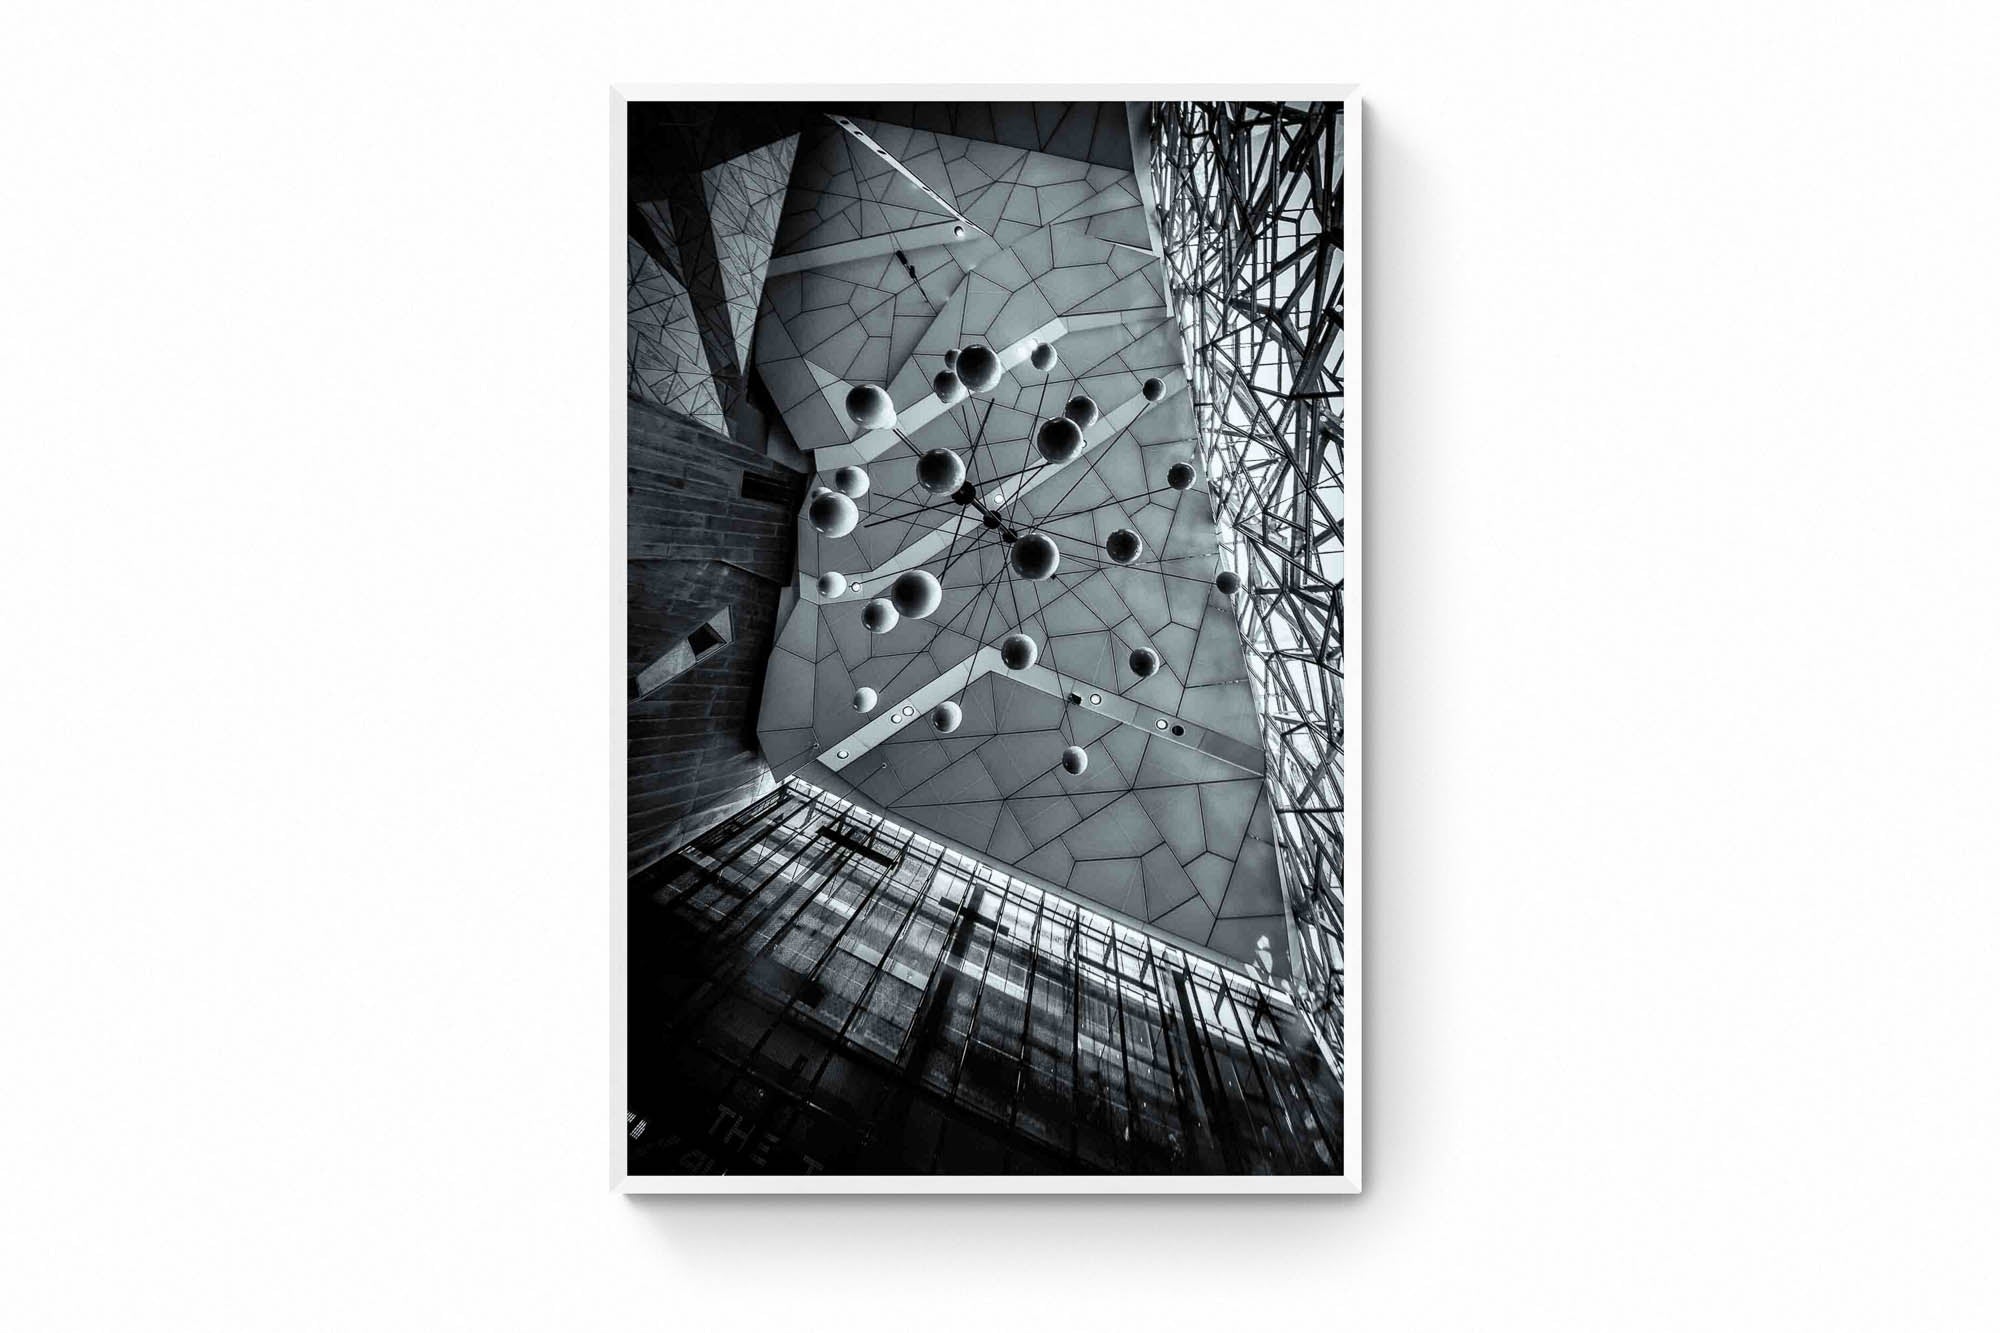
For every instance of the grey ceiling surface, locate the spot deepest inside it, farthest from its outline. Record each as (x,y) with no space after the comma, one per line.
(896,245)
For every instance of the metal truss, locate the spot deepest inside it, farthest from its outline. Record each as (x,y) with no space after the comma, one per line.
(1251,206)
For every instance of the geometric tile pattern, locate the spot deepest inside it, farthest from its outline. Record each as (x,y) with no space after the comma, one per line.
(744,197)
(1253,221)
(896,246)
(664,359)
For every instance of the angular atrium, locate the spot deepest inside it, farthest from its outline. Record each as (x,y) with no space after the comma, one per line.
(985,592)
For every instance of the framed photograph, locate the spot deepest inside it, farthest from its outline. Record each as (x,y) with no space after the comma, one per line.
(989,619)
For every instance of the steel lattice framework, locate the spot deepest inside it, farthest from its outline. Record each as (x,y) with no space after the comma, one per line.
(1251,213)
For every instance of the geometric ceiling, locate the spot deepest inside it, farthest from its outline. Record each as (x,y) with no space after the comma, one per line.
(895,247)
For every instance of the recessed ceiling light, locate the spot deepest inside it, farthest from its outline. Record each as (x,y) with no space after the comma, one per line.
(1097,698)
(1161,724)
(843,754)
(908,711)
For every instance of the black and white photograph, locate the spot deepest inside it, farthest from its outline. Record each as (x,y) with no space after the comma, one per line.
(988,476)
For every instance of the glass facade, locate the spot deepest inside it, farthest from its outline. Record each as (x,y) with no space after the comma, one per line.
(1252,206)
(814,988)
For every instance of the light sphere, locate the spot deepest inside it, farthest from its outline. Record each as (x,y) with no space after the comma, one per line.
(864,700)
(978,367)
(940,470)
(1144,662)
(832,515)
(1035,556)
(1123,546)
(948,387)
(879,616)
(916,593)
(1180,476)
(951,359)
(947,715)
(1228,581)
(833,583)
(1042,357)
(1155,389)
(1058,440)
(851,481)
(1081,409)
(1074,760)
(1018,652)
(869,406)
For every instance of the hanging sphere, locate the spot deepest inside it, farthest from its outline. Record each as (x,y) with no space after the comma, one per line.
(851,482)
(948,387)
(947,715)
(978,367)
(869,406)
(1018,652)
(951,359)
(1035,556)
(818,491)
(940,470)
(1180,476)
(916,594)
(1042,357)
(1081,409)
(1123,546)
(1074,760)
(1144,662)
(1058,439)
(1155,389)
(879,616)
(832,583)
(1228,581)
(832,515)
(864,700)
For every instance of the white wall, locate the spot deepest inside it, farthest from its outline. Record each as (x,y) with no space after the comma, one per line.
(1682,894)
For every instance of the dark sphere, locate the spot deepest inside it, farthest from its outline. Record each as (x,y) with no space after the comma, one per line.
(992,520)
(1081,409)
(1155,389)
(951,359)
(1180,476)
(1042,357)
(879,616)
(1123,546)
(851,482)
(948,388)
(832,515)
(940,470)
(947,715)
(1074,760)
(978,367)
(1228,582)
(1035,556)
(1144,662)
(1018,652)
(1058,439)
(869,406)
(916,593)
